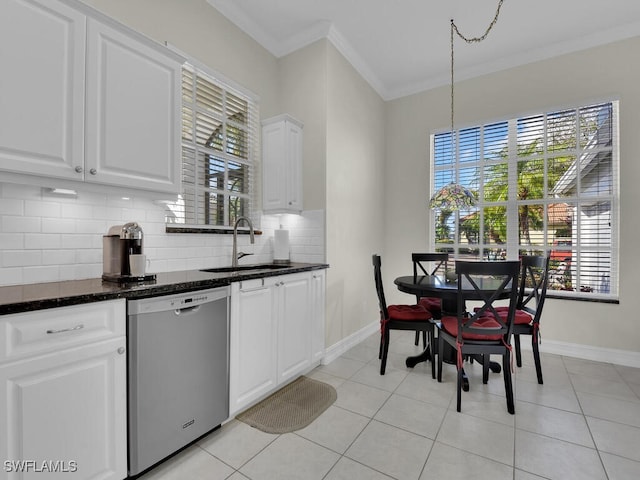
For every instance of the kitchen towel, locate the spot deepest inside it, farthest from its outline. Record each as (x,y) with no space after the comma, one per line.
(281,245)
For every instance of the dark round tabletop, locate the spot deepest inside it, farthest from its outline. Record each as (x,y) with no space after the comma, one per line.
(436,286)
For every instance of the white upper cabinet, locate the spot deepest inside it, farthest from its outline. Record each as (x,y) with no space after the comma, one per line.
(282,165)
(42,54)
(133,112)
(87,99)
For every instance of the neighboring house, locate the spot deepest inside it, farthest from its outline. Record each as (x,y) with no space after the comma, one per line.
(592,173)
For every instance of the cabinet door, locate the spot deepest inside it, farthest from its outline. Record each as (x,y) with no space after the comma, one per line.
(294,320)
(282,165)
(252,362)
(294,167)
(66,410)
(133,112)
(41,88)
(317,314)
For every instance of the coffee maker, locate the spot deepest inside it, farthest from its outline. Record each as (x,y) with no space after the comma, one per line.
(120,242)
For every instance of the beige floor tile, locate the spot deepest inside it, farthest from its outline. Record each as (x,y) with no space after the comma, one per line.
(561,397)
(412,415)
(360,398)
(392,451)
(370,375)
(611,437)
(422,387)
(291,457)
(551,422)
(321,376)
(619,468)
(615,388)
(629,374)
(556,459)
(223,443)
(479,436)
(342,367)
(193,463)
(454,464)
(335,429)
(590,368)
(347,469)
(608,408)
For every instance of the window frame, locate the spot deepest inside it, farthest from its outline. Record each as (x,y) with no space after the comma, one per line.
(513,247)
(176,210)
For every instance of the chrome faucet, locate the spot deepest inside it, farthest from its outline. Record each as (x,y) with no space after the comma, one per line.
(235,255)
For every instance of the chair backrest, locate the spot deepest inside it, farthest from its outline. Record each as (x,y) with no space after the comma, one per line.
(534,279)
(438,259)
(377,275)
(487,282)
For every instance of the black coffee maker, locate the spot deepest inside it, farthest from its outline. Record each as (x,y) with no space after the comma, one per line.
(120,242)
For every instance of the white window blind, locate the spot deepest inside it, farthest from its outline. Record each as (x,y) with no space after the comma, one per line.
(219,153)
(545,183)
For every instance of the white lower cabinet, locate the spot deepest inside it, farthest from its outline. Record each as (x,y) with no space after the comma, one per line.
(273,334)
(63,393)
(252,348)
(293,312)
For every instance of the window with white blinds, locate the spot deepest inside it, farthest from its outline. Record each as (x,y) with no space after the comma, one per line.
(219,149)
(544,183)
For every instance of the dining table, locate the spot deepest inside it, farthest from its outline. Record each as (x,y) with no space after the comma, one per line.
(447,290)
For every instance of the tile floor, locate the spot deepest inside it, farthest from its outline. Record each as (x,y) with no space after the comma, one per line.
(583,423)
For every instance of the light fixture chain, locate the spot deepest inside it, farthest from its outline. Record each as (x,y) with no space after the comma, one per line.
(454,27)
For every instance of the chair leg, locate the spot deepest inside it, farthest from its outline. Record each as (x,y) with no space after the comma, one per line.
(417,340)
(459,389)
(440,348)
(424,339)
(385,351)
(516,339)
(536,356)
(485,368)
(432,344)
(381,346)
(508,386)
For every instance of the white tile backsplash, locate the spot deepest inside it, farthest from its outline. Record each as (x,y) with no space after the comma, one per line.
(44,238)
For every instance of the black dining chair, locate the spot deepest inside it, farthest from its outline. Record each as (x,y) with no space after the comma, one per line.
(438,264)
(534,279)
(396,317)
(484,331)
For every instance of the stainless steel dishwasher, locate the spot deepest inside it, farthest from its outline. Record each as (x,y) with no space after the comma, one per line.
(178,364)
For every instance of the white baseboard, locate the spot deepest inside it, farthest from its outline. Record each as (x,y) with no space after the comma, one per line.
(337,349)
(586,352)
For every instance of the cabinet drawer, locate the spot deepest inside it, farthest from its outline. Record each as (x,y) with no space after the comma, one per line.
(42,331)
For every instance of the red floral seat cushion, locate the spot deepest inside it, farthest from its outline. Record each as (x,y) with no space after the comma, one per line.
(433,304)
(522,317)
(450,325)
(408,312)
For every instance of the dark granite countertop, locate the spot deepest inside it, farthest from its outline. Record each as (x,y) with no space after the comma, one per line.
(37,296)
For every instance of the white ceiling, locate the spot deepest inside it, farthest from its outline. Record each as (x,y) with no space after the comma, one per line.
(402,46)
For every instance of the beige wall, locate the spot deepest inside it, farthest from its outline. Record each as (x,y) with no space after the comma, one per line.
(570,80)
(355,197)
(303,94)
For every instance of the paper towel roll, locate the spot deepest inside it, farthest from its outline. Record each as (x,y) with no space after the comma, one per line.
(281,245)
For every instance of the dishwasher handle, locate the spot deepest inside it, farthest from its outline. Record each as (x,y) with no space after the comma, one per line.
(185,310)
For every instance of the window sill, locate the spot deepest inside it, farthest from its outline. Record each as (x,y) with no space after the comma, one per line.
(210,230)
(581,298)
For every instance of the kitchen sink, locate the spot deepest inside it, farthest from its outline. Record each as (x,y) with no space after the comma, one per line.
(244,268)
